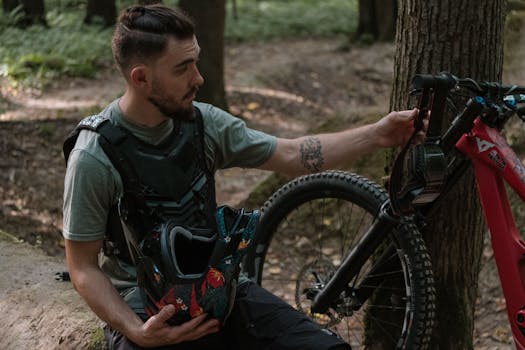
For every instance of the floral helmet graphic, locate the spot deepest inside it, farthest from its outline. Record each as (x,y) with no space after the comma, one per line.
(195,270)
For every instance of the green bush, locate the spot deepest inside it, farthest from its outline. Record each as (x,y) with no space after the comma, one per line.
(37,55)
(271,19)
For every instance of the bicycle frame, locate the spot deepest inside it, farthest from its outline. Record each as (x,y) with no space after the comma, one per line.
(473,134)
(494,161)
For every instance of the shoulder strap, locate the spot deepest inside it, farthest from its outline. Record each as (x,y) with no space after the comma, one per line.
(92,123)
(111,137)
(200,128)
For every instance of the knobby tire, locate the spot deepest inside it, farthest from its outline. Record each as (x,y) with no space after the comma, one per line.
(308,226)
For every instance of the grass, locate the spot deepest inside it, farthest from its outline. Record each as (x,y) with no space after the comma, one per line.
(97,340)
(8,237)
(264,20)
(37,55)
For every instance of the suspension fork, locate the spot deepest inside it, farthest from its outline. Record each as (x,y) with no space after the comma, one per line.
(355,260)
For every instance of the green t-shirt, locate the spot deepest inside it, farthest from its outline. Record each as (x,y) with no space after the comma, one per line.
(92,185)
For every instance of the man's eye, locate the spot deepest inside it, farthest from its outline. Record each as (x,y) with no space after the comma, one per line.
(181,69)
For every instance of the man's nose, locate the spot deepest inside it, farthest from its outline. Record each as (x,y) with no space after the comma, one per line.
(198,80)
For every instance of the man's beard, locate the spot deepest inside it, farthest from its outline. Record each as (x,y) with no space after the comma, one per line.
(168,108)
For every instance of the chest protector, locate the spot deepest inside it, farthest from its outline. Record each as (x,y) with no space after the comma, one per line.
(186,250)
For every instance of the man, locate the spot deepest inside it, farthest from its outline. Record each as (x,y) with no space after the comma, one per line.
(156,50)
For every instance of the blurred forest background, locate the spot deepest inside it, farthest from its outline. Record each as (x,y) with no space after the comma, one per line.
(67,40)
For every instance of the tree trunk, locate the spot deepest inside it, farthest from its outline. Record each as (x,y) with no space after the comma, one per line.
(464,37)
(103,10)
(209,17)
(377,20)
(33,11)
(149,2)
(516,5)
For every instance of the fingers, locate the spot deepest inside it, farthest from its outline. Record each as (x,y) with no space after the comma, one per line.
(409,114)
(157,332)
(193,323)
(397,127)
(164,314)
(197,328)
(413,114)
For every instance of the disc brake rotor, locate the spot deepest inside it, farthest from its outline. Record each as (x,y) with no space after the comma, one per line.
(310,281)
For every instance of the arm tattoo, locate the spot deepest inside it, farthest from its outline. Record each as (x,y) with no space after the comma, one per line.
(311,155)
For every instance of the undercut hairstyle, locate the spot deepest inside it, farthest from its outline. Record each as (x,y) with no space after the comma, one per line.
(142,33)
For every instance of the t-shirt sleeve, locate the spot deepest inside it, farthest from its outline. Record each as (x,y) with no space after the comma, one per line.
(87,197)
(232,142)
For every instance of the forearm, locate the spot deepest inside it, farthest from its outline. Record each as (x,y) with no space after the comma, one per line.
(98,292)
(102,297)
(329,151)
(96,288)
(316,153)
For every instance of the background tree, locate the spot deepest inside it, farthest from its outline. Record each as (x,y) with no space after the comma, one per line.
(149,2)
(209,17)
(464,37)
(104,10)
(377,20)
(518,5)
(32,11)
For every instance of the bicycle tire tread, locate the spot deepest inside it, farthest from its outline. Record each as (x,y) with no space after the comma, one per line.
(410,237)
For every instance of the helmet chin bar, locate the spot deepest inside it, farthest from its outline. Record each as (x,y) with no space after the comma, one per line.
(185,254)
(193,269)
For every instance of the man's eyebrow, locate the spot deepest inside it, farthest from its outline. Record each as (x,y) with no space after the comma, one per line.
(188,60)
(185,62)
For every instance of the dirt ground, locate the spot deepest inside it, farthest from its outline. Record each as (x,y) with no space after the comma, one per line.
(284,87)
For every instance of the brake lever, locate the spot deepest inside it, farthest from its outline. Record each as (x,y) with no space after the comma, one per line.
(423,106)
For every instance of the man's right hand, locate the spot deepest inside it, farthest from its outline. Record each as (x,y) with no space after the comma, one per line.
(156,332)
(102,297)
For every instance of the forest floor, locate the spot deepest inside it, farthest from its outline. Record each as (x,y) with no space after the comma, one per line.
(284,87)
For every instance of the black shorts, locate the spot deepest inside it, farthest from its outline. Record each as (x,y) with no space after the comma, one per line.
(259,320)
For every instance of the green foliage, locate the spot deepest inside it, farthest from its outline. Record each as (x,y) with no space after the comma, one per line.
(47,130)
(264,190)
(38,55)
(279,18)
(97,340)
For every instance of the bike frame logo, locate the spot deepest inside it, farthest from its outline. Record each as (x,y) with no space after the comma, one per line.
(483,145)
(497,159)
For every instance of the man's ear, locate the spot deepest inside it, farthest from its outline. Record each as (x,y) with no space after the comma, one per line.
(139,76)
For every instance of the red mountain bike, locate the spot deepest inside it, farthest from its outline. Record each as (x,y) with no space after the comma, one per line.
(339,248)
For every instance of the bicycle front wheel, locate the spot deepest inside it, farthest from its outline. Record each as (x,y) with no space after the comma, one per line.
(308,227)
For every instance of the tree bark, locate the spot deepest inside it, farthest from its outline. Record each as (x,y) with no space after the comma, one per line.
(209,17)
(149,2)
(464,37)
(103,9)
(33,11)
(377,20)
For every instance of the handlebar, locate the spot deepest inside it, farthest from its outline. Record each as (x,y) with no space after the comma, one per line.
(447,81)
(443,81)
(419,171)
(494,102)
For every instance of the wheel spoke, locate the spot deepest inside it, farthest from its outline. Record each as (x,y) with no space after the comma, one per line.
(314,230)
